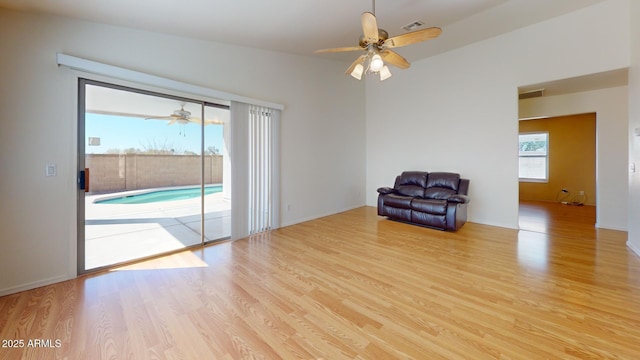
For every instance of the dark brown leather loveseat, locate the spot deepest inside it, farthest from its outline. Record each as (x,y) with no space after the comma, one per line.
(438,199)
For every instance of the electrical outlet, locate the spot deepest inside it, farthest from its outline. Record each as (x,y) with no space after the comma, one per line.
(581,192)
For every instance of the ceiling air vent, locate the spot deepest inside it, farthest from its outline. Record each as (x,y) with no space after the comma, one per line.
(531,94)
(413,25)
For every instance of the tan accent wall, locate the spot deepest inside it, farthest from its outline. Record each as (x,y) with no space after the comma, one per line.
(113,172)
(572,158)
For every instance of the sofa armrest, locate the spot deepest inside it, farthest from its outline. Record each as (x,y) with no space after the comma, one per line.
(386,190)
(459,198)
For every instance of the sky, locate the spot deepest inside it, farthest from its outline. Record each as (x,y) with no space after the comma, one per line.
(118,132)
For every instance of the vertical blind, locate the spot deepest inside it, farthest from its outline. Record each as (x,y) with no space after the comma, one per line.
(261,151)
(255,169)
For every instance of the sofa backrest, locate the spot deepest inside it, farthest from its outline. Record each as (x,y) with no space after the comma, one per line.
(411,183)
(444,180)
(435,185)
(441,185)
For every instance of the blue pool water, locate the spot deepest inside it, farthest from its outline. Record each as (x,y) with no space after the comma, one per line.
(162,195)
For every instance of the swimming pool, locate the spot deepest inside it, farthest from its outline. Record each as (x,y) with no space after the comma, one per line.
(161,195)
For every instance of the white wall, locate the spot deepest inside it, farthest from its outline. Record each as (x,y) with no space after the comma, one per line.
(458,111)
(322,141)
(634,123)
(612,122)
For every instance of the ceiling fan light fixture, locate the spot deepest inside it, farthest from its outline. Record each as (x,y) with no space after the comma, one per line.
(376,63)
(357,72)
(377,44)
(385,73)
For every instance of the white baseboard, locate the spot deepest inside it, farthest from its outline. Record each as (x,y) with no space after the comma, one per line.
(298,221)
(633,248)
(33,285)
(610,227)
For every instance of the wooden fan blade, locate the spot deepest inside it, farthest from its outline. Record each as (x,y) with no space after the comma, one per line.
(340,49)
(198,121)
(214,121)
(359,60)
(160,118)
(394,59)
(412,37)
(118,113)
(369,28)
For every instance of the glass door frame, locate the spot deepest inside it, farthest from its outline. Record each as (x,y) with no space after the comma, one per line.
(81,152)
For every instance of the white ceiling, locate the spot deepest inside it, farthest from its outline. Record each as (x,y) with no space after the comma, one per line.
(302,26)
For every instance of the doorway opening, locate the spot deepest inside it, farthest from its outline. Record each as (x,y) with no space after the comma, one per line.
(557,172)
(605,94)
(154,174)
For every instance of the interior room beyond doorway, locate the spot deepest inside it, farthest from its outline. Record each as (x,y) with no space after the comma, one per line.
(568,193)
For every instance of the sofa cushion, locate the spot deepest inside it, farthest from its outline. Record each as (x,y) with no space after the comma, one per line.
(397,201)
(411,183)
(444,180)
(412,178)
(431,206)
(410,190)
(438,193)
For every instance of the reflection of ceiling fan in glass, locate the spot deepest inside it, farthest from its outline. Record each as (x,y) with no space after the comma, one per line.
(181,117)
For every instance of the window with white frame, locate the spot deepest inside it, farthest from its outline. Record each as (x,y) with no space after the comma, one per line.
(533,150)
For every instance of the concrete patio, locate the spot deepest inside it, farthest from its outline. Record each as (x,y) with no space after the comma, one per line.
(116,233)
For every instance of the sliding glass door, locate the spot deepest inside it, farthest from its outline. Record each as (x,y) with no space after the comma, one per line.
(153,170)
(217,173)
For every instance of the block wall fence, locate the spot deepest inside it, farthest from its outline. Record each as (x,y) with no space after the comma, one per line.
(113,172)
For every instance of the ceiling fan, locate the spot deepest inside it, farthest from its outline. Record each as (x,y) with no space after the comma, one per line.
(376,44)
(180,116)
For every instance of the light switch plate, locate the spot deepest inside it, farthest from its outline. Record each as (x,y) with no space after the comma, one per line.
(51,170)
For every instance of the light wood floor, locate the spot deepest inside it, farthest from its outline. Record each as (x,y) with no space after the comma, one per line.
(353,286)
